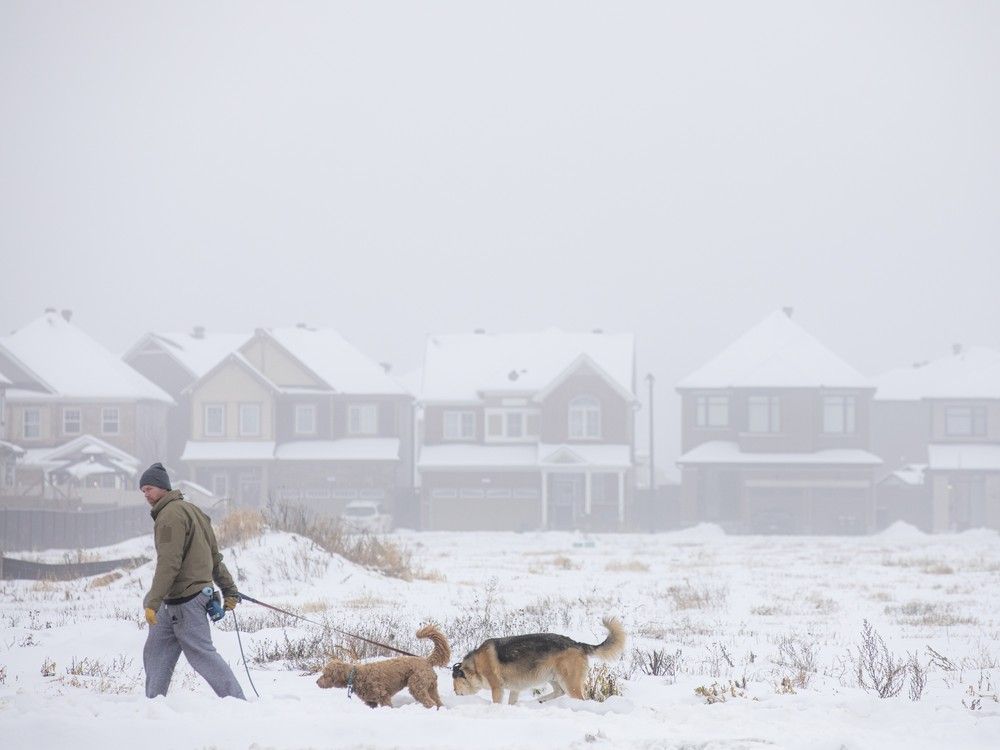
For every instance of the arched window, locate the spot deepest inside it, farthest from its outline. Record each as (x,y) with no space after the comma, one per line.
(585,417)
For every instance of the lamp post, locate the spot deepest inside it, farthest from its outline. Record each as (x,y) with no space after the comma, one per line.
(652,462)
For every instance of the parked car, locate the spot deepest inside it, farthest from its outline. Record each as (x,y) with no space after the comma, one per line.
(366,515)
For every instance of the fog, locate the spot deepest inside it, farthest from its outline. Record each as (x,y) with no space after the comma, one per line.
(676,170)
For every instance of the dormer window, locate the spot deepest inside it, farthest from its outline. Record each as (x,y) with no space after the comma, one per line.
(764,414)
(585,418)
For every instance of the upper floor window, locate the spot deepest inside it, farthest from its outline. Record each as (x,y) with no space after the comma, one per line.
(110,420)
(250,419)
(584,417)
(961,421)
(511,424)
(713,411)
(215,420)
(838,415)
(459,425)
(362,419)
(305,419)
(764,414)
(71,421)
(32,425)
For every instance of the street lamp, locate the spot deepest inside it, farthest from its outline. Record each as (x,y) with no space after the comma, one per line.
(652,462)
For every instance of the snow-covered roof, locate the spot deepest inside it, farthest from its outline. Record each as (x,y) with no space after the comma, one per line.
(412,381)
(17,450)
(68,363)
(972,372)
(727,452)
(196,352)
(335,361)
(346,449)
(83,456)
(461,367)
(963,457)
(776,353)
(911,475)
(228,450)
(527,456)
(4,381)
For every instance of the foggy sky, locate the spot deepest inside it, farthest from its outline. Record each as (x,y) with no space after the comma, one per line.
(395,169)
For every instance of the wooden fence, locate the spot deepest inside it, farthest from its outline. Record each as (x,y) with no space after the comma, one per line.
(38,529)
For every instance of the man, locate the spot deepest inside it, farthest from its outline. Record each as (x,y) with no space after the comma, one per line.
(187,560)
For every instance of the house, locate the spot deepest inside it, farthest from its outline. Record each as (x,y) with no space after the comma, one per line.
(299,415)
(527,431)
(64,385)
(174,361)
(85,469)
(9,452)
(949,413)
(775,436)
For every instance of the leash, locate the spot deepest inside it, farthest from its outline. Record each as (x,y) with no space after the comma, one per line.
(325,626)
(242,655)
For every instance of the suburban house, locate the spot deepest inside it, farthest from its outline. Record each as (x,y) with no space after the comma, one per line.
(937,425)
(174,361)
(775,436)
(527,431)
(66,389)
(9,452)
(299,415)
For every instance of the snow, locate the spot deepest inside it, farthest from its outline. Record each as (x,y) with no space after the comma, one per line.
(45,346)
(727,452)
(466,455)
(963,456)
(88,446)
(965,374)
(901,532)
(228,450)
(197,354)
(918,592)
(461,367)
(776,353)
(337,362)
(345,449)
(604,455)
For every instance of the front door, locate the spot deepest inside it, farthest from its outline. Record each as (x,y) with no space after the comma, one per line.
(566,500)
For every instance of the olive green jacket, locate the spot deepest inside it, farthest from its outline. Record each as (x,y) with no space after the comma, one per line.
(187,555)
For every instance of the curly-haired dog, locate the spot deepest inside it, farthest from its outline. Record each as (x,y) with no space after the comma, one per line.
(377,682)
(520,662)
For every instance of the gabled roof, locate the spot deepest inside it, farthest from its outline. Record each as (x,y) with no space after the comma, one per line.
(69,363)
(196,353)
(973,372)
(335,361)
(776,353)
(81,451)
(462,367)
(240,361)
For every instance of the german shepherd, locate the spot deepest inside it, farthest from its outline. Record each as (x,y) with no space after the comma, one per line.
(521,662)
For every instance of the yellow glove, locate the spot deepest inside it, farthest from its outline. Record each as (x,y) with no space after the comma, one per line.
(150,616)
(230,602)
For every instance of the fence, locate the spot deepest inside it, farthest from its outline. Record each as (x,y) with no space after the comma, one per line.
(25,570)
(38,529)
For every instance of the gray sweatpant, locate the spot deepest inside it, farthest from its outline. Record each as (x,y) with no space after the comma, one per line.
(184,627)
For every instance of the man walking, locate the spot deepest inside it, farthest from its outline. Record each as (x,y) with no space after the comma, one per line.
(187,560)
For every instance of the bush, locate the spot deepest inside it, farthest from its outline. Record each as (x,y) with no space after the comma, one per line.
(239,526)
(877,669)
(602,682)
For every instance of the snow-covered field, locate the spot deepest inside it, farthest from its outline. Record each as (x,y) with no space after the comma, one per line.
(772,624)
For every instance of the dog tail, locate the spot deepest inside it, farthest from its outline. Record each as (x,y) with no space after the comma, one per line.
(441,655)
(613,645)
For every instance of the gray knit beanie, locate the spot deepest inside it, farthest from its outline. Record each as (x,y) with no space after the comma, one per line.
(155,476)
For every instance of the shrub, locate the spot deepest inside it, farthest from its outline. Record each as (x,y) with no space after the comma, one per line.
(602,682)
(239,526)
(876,668)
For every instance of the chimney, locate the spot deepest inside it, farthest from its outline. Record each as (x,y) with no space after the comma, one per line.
(387,366)
(956,349)
(303,326)
(198,332)
(788,311)
(598,330)
(480,331)
(50,310)
(67,315)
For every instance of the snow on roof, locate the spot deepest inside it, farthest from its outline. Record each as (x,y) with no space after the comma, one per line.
(474,455)
(412,381)
(726,452)
(228,450)
(963,457)
(17,450)
(776,353)
(71,364)
(911,475)
(4,380)
(598,455)
(972,372)
(198,353)
(86,445)
(459,367)
(337,362)
(346,449)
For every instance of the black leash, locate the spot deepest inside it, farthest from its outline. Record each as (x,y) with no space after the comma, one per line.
(324,625)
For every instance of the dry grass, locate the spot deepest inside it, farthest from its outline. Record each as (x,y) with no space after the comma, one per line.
(239,526)
(928,614)
(602,682)
(629,566)
(689,596)
(939,569)
(104,580)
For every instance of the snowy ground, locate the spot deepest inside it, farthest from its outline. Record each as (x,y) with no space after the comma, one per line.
(782,614)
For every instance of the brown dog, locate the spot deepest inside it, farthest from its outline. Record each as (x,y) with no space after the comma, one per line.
(521,662)
(377,682)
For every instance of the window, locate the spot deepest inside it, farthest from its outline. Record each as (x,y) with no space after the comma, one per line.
(515,424)
(494,425)
(764,414)
(838,415)
(32,426)
(713,411)
(362,419)
(215,420)
(220,484)
(305,419)
(459,425)
(962,421)
(518,425)
(71,421)
(585,417)
(249,419)
(109,420)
